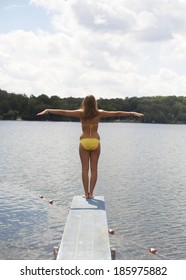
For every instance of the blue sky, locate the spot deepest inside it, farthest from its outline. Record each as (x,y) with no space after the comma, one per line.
(20,15)
(110,49)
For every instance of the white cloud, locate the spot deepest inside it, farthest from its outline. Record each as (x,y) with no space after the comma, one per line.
(122,48)
(166,82)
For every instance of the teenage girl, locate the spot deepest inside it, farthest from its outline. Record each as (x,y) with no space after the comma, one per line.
(89,148)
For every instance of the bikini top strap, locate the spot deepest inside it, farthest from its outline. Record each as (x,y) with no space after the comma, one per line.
(91,126)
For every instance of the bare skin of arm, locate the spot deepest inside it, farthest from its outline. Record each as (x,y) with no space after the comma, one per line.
(109,114)
(69,113)
(78,113)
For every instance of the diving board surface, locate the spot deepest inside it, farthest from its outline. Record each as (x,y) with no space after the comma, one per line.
(85,235)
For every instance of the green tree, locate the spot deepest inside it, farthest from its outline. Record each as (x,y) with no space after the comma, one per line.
(11,115)
(160,109)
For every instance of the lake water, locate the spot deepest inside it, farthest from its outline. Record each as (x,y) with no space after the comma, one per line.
(142,175)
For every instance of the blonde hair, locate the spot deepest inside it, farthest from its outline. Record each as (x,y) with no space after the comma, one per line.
(89,106)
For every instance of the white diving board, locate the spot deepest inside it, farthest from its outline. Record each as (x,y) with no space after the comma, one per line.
(85,235)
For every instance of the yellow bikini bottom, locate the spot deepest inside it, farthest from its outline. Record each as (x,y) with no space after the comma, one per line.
(89,144)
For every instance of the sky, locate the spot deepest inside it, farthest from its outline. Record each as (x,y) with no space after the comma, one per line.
(112,49)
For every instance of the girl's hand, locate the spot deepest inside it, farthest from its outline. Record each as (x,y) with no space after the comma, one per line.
(44,112)
(138,115)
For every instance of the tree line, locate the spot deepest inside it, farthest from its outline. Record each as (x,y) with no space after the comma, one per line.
(157,109)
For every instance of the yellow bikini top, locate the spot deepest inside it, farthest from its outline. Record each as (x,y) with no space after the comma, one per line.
(90,126)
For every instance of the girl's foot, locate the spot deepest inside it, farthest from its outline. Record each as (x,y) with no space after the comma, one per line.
(85,196)
(90,196)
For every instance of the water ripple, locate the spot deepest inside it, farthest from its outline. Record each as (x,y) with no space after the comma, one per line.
(141,174)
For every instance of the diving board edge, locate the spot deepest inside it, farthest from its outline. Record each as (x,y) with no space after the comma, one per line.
(85,235)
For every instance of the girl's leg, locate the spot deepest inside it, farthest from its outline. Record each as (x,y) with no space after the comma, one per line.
(84,156)
(94,157)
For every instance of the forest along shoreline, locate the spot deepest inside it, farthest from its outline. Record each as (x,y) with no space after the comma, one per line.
(156,109)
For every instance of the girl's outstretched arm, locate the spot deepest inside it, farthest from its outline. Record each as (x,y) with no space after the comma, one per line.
(109,114)
(69,113)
